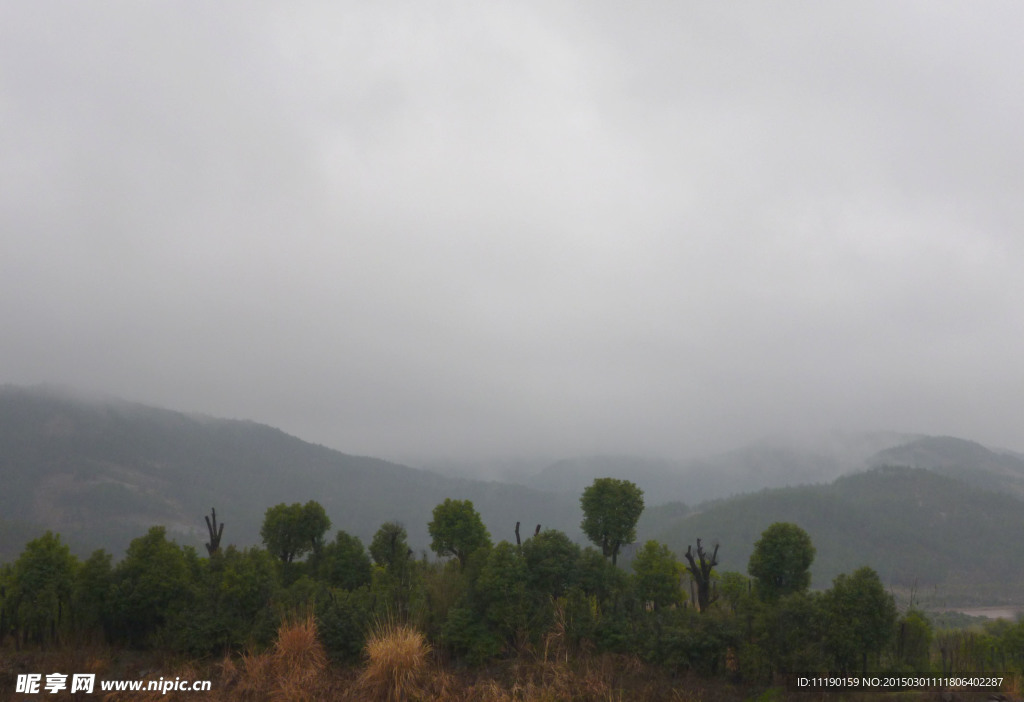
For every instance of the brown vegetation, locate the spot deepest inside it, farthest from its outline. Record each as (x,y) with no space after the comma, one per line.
(396,664)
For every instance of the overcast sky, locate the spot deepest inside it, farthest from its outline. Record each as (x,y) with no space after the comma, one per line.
(477,230)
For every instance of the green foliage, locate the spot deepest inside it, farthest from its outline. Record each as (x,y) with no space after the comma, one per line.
(551,564)
(656,573)
(91,596)
(611,509)
(914,642)
(469,637)
(501,600)
(501,589)
(152,583)
(43,578)
(457,530)
(343,620)
(230,606)
(596,576)
(292,531)
(390,546)
(781,561)
(790,631)
(734,590)
(344,563)
(910,525)
(685,640)
(861,617)
(393,579)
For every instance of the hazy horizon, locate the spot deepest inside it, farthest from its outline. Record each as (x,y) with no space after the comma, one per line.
(526,230)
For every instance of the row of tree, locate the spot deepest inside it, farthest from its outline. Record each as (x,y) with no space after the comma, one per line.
(478,600)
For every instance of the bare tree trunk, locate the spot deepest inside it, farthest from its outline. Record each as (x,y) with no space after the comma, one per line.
(216,532)
(701,573)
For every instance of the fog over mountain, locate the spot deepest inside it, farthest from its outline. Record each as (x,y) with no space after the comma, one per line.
(502,235)
(939,512)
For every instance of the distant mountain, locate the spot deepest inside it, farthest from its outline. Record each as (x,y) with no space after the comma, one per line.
(776,462)
(661,480)
(953,542)
(102,470)
(959,458)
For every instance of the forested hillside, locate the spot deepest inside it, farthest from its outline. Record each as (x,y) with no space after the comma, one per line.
(959,458)
(100,471)
(957,543)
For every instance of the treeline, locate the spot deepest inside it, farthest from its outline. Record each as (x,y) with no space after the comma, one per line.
(480,601)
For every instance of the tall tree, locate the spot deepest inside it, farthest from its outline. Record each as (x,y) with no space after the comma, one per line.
(656,572)
(292,531)
(394,580)
(153,582)
(502,590)
(344,562)
(552,564)
(43,578)
(861,618)
(611,509)
(91,596)
(457,530)
(781,561)
(389,547)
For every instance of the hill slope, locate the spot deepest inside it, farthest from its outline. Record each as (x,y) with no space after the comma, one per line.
(913,526)
(958,458)
(101,471)
(768,463)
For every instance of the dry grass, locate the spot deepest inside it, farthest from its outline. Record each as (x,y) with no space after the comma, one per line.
(396,664)
(295,670)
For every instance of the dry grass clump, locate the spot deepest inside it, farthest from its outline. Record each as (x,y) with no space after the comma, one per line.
(396,663)
(298,656)
(293,671)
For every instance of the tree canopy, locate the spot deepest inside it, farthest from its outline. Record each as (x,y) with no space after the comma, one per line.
(861,618)
(611,509)
(292,531)
(656,572)
(781,561)
(457,530)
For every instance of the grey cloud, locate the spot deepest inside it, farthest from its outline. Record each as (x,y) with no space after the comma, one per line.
(519,228)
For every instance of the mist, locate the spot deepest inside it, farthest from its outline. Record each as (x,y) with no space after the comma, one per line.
(511,233)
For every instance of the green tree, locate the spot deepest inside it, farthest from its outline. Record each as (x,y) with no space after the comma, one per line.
(231,607)
(914,641)
(292,531)
(861,618)
(551,564)
(393,580)
(344,563)
(791,629)
(734,590)
(91,594)
(390,547)
(656,572)
(781,561)
(154,581)
(43,578)
(611,509)
(501,590)
(457,530)
(596,576)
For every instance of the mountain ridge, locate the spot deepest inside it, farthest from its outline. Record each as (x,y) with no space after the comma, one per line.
(102,472)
